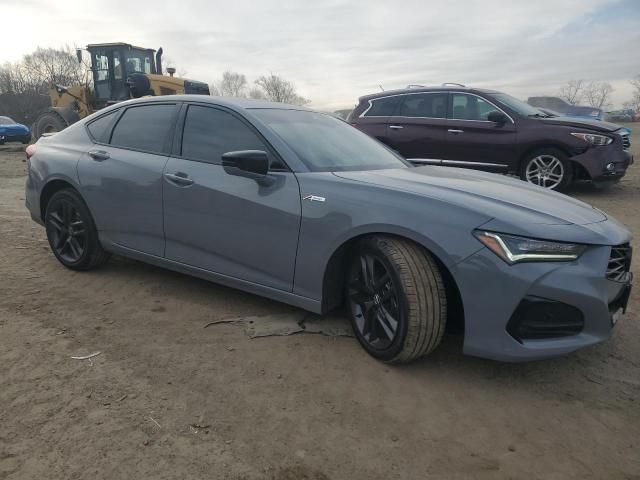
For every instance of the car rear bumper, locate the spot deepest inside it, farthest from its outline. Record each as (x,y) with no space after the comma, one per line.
(32,200)
(9,137)
(532,311)
(605,164)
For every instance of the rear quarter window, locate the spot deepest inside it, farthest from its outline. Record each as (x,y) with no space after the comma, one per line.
(101,127)
(382,107)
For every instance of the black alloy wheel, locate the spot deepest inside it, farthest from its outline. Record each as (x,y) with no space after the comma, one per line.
(71,232)
(397,299)
(374,302)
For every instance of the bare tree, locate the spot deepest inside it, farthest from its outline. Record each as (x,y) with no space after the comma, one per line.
(635,95)
(24,85)
(598,94)
(257,93)
(278,89)
(573,91)
(232,84)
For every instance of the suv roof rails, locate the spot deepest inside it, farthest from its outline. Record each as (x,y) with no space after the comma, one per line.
(452,83)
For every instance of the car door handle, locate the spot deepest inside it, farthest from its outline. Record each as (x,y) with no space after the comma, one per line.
(396,127)
(98,155)
(455,131)
(179,178)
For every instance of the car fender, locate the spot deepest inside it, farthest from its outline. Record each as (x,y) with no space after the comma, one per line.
(349,210)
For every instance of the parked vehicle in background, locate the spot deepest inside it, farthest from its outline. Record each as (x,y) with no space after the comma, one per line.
(300,207)
(343,114)
(11,131)
(488,130)
(620,116)
(564,108)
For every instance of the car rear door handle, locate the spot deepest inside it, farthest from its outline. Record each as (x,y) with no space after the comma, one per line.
(98,155)
(179,178)
(455,131)
(396,127)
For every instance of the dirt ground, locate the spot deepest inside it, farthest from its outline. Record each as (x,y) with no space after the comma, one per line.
(168,399)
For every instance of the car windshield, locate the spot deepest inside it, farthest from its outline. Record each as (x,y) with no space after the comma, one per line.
(6,121)
(523,108)
(326,144)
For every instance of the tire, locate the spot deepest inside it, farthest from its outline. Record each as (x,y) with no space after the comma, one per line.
(548,168)
(49,122)
(405,285)
(71,232)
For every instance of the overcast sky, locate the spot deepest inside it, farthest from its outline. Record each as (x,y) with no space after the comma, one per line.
(336,50)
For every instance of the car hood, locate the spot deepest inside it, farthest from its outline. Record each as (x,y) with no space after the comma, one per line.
(591,124)
(489,194)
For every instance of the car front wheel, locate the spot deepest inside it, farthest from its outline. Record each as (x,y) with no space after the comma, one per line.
(71,232)
(548,168)
(397,299)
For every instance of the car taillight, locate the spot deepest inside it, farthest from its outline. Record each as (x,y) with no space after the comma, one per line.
(30,151)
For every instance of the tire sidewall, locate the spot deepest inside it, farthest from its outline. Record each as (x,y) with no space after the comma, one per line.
(49,118)
(566,165)
(72,197)
(375,247)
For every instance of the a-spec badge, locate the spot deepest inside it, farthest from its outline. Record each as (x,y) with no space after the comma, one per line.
(314,198)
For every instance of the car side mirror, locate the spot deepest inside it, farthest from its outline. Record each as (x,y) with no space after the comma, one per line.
(246,163)
(497,117)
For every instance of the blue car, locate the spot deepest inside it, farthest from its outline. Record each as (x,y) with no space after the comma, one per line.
(10,131)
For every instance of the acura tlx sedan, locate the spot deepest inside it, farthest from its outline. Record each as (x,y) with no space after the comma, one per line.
(302,208)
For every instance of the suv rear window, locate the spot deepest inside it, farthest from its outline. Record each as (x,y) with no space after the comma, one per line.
(382,107)
(144,128)
(429,105)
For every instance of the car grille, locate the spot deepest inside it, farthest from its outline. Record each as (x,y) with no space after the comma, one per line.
(626,141)
(619,263)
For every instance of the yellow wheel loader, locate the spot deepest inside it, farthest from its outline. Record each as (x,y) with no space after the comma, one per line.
(120,71)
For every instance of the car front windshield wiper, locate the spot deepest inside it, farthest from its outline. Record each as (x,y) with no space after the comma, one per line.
(539,115)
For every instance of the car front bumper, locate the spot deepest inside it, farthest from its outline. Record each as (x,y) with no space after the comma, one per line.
(597,159)
(493,291)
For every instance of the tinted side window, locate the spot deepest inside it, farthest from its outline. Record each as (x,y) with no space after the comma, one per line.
(469,107)
(382,107)
(144,128)
(101,127)
(209,132)
(431,105)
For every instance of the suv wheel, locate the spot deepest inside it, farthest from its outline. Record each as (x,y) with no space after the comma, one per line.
(548,168)
(397,299)
(71,232)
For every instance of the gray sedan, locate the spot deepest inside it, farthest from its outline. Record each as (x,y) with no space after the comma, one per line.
(302,208)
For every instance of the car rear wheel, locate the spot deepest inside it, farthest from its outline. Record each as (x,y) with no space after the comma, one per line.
(71,232)
(397,299)
(548,168)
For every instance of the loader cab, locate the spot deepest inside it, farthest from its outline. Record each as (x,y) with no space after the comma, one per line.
(112,64)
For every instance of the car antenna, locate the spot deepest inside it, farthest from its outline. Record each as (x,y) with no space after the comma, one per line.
(381,88)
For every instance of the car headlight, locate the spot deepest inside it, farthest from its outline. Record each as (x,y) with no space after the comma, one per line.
(594,139)
(513,249)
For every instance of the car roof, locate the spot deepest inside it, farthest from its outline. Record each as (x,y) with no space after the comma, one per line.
(231,102)
(441,88)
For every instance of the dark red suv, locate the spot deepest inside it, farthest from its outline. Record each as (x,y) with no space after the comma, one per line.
(489,130)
